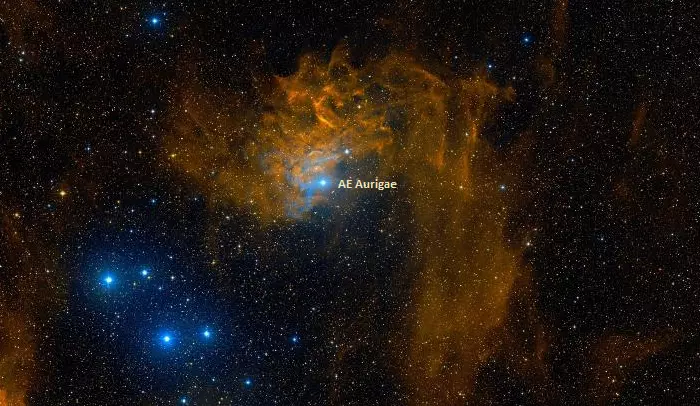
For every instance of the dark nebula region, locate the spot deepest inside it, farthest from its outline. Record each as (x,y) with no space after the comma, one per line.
(173,231)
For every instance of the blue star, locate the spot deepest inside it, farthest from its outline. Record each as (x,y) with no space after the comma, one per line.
(527,39)
(155,20)
(248,382)
(167,338)
(206,333)
(144,272)
(108,280)
(295,339)
(183,401)
(323,182)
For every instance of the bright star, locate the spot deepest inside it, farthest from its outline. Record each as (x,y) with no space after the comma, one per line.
(144,272)
(502,187)
(248,382)
(347,151)
(183,400)
(154,20)
(323,182)
(207,333)
(166,338)
(109,280)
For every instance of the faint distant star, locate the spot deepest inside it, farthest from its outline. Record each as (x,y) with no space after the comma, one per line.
(502,188)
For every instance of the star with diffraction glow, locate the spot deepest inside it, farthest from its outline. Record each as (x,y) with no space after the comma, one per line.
(108,280)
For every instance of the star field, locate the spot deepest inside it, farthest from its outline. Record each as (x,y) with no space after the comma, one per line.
(173,231)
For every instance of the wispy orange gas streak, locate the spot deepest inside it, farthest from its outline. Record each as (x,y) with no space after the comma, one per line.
(614,357)
(467,272)
(640,116)
(32,291)
(560,23)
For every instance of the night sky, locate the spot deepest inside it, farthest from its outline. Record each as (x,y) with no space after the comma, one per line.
(172,231)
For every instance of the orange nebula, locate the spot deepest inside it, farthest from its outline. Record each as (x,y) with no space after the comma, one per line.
(613,358)
(425,128)
(34,291)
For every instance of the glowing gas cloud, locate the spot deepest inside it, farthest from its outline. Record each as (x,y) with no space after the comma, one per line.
(419,125)
(275,156)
